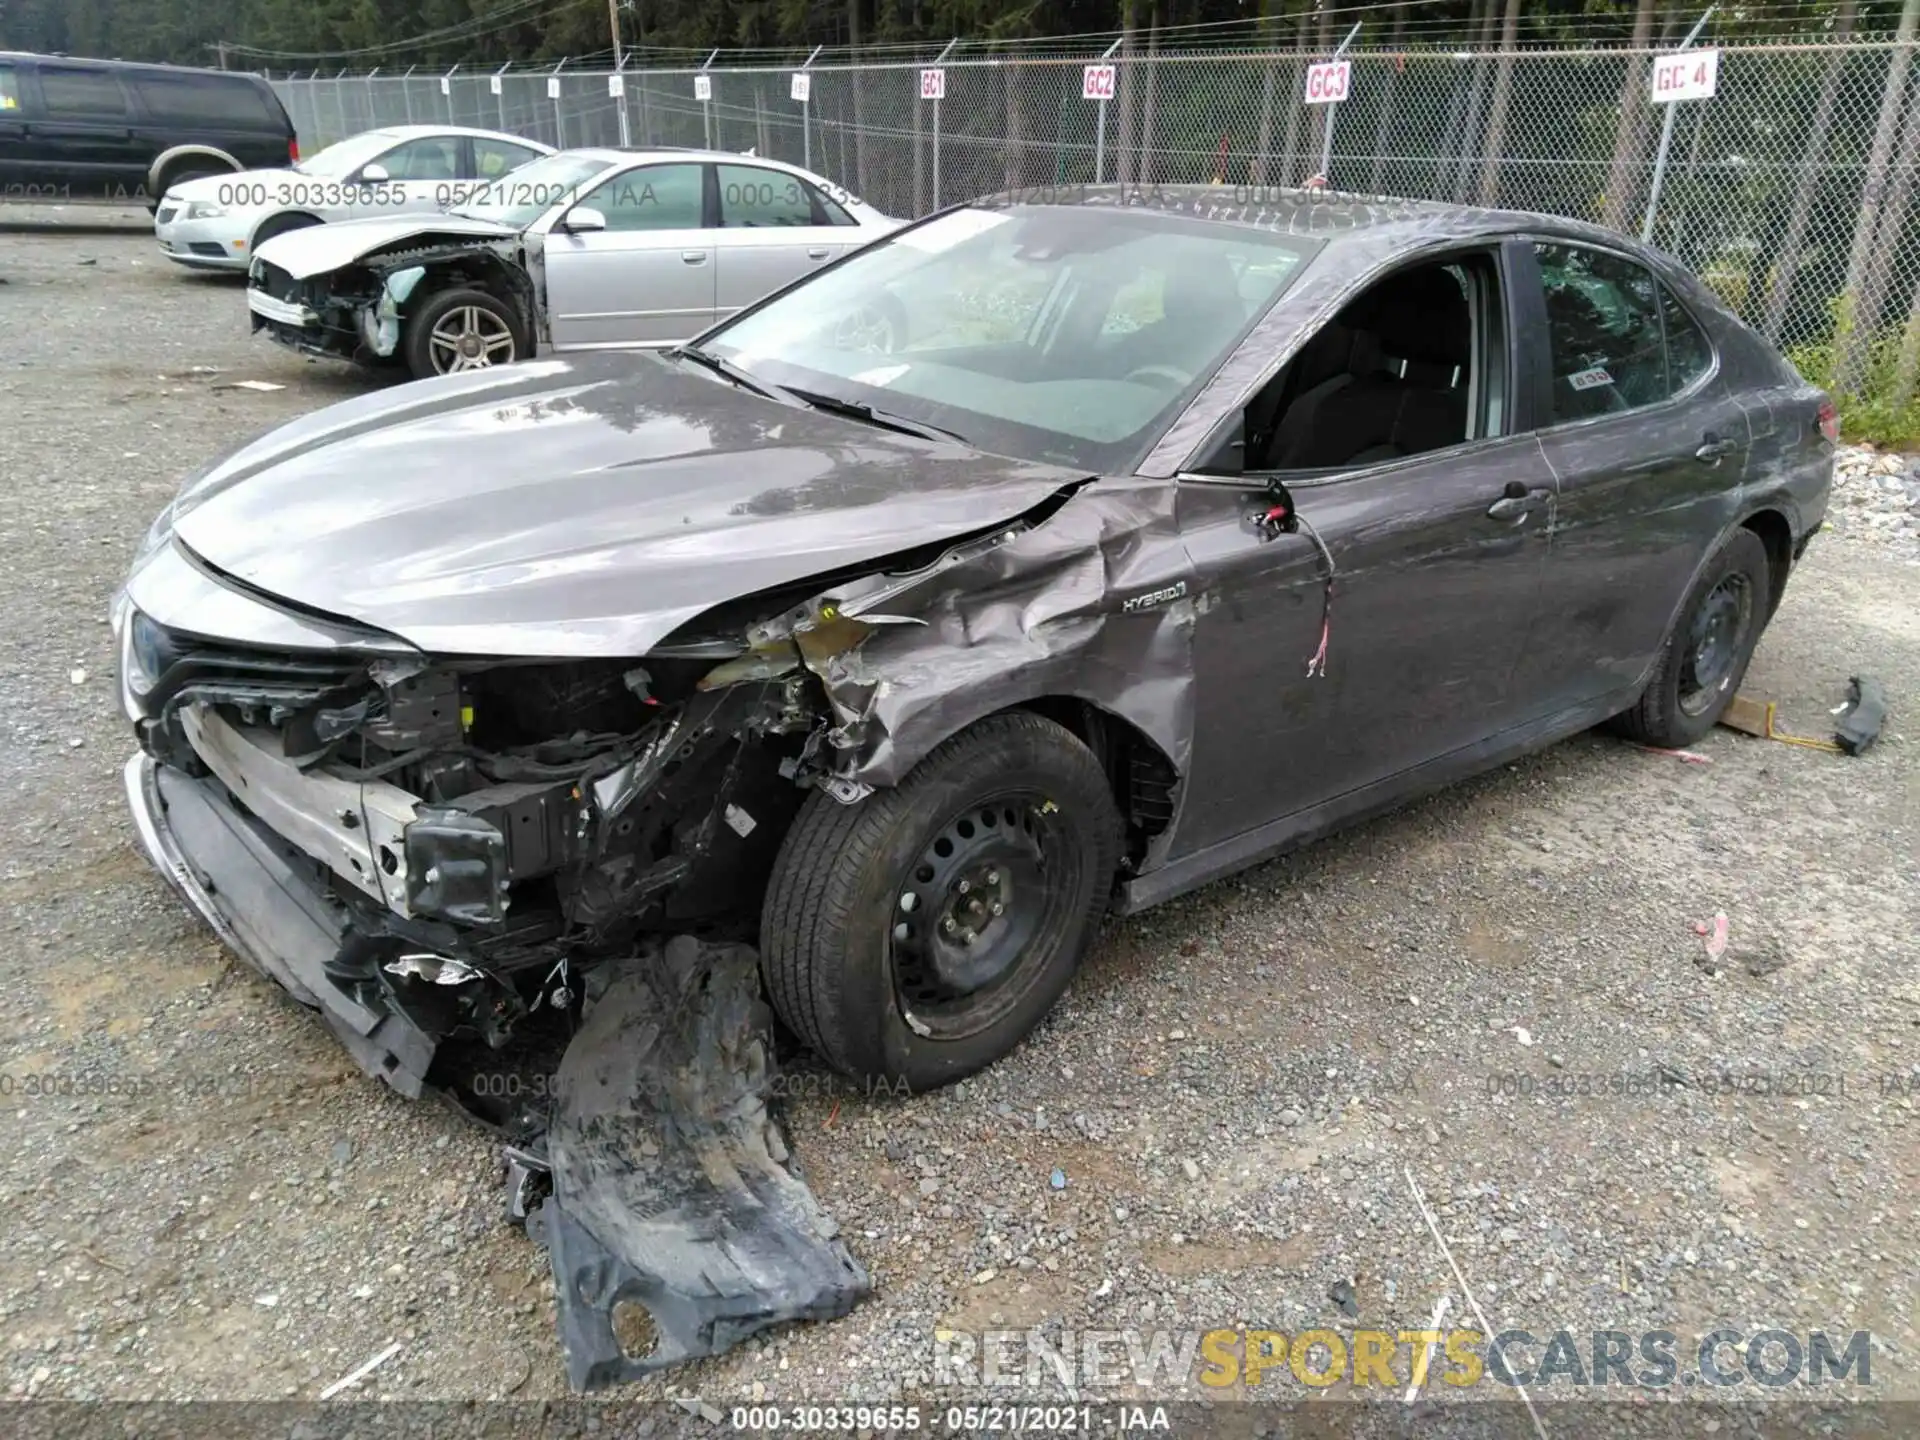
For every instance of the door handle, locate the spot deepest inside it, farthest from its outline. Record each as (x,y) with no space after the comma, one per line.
(694,257)
(1713,448)
(1516,504)
(819,252)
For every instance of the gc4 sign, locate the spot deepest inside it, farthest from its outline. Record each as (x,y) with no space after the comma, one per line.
(802,86)
(1685,75)
(1096,82)
(1327,82)
(933,84)
(703,87)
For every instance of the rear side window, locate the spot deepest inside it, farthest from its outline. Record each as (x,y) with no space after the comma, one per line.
(204,100)
(751,197)
(1603,328)
(494,158)
(9,89)
(1689,353)
(81,94)
(432,157)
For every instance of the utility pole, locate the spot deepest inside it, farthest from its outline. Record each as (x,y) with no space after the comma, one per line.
(619,62)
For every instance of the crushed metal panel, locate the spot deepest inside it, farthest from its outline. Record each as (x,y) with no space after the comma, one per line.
(1037,612)
(673,1190)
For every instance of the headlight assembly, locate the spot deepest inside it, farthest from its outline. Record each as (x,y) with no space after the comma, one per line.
(205,210)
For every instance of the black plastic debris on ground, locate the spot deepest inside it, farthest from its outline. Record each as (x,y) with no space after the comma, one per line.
(677,1223)
(1864,716)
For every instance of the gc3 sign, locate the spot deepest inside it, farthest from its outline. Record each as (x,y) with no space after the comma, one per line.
(1327,82)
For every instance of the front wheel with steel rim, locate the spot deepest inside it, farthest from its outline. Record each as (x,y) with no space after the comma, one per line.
(460,330)
(1706,654)
(917,935)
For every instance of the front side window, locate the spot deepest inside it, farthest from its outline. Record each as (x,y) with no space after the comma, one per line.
(9,89)
(1603,332)
(92,94)
(655,197)
(1070,334)
(753,198)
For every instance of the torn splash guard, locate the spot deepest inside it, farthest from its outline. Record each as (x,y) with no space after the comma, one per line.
(673,1189)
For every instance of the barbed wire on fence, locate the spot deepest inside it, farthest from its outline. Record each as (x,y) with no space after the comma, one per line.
(1790,191)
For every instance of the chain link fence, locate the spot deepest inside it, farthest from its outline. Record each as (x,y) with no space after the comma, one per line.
(1790,191)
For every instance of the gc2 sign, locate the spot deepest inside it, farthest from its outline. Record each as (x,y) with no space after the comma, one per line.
(1096,82)
(1327,82)
(933,84)
(1685,75)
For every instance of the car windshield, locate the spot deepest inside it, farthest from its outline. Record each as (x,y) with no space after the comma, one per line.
(523,196)
(343,157)
(1069,334)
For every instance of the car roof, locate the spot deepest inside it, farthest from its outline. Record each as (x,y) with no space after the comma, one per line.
(59,59)
(619,156)
(1309,213)
(411,132)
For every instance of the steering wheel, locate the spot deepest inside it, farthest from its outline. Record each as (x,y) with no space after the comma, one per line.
(1159,372)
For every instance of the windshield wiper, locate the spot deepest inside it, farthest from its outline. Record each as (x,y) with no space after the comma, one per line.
(727,370)
(885,419)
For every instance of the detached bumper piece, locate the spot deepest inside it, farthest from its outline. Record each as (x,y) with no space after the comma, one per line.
(673,1190)
(254,890)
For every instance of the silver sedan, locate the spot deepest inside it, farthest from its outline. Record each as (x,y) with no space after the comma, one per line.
(218,221)
(586,249)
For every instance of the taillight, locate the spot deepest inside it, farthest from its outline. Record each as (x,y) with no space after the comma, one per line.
(1829,421)
(293,149)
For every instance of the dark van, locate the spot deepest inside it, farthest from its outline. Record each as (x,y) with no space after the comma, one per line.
(105,131)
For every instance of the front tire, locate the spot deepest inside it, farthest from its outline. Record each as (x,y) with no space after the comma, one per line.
(918,935)
(1706,656)
(460,330)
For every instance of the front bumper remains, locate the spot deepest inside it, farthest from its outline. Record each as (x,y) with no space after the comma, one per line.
(667,1180)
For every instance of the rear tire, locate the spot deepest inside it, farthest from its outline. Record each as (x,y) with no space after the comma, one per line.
(964,897)
(438,332)
(1706,656)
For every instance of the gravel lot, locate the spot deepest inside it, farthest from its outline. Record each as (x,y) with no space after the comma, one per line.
(1235,1090)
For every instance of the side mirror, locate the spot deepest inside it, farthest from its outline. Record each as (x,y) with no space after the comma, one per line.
(582,220)
(374,174)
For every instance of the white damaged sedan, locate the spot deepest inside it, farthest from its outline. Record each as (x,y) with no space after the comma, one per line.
(217,222)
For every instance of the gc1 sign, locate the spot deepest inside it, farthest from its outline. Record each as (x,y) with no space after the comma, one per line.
(1327,82)
(933,84)
(1686,75)
(1096,82)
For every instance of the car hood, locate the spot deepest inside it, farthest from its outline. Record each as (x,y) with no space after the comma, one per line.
(209,187)
(577,507)
(319,248)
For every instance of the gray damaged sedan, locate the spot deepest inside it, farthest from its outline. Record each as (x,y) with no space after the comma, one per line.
(1049,556)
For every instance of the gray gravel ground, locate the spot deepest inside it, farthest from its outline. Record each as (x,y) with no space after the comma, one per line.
(1235,1090)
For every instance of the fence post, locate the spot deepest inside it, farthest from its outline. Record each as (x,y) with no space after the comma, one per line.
(938,61)
(559,118)
(706,104)
(1666,139)
(1326,133)
(406,93)
(1100,126)
(806,108)
(446,89)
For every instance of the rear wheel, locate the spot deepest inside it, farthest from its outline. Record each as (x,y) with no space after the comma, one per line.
(918,935)
(460,330)
(1706,657)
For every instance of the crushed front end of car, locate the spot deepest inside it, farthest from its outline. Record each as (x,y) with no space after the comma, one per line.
(471,869)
